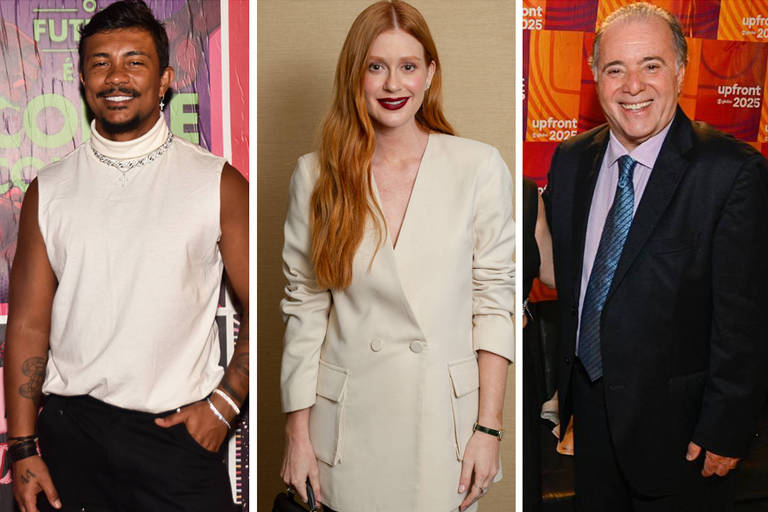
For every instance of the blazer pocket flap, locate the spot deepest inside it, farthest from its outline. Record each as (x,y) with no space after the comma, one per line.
(331,381)
(464,376)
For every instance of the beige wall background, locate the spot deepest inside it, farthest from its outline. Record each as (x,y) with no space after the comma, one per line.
(298,45)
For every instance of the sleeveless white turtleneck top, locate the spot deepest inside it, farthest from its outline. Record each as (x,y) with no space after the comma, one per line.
(139,272)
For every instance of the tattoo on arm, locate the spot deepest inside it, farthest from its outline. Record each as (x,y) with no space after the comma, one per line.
(238,370)
(240,364)
(27,476)
(231,392)
(34,368)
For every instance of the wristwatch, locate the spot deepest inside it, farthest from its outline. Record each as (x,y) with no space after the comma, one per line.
(490,431)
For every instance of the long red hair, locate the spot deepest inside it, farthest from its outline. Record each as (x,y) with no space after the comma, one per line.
(343,199)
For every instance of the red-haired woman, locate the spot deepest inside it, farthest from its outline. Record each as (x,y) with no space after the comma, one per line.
(398,252)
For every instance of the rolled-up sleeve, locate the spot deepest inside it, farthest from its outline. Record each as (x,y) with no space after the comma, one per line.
(493,267)
(306,305)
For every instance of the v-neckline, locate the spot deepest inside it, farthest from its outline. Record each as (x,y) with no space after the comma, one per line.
(394,245)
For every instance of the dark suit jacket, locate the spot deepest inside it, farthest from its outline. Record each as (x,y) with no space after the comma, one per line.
(683,337)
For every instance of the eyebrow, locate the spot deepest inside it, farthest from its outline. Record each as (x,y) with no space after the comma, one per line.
(411,57)
(131,53)
(621,62)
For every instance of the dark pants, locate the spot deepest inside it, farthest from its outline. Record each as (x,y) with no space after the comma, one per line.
(600,484)
(104,458)
(533,378)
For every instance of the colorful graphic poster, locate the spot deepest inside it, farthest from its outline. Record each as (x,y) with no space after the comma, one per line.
(534,14)
(554,85)
(536,159)
(42,114)
(730,93)
(743,21)
(690,91)
(526,62)
(590,113)
(725,77)
(43,117)
(568,15)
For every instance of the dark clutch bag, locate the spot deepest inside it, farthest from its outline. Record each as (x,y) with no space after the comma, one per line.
(285,502)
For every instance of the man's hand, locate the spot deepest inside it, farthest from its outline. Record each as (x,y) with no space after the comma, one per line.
(479,467)
(204,427)
(713,464)
(30,476)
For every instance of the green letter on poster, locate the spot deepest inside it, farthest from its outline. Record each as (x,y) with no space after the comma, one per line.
(184,115)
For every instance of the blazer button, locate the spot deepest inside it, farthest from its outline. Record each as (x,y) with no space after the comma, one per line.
(567,359)
(417,346)
(376,344)
(574,310)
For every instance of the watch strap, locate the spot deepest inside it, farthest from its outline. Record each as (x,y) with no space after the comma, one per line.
(487,430)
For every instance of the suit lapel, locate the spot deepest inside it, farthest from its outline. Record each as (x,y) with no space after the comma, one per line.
(584,188)
(670,167)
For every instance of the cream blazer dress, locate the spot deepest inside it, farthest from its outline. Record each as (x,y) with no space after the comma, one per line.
(388,365)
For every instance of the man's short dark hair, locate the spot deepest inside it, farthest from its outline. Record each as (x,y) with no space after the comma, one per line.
(126,14)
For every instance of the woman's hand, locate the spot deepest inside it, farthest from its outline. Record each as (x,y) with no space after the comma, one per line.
(299,461)
(479,467)
(481,456)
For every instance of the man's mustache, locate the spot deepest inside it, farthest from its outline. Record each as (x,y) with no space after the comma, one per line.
(123,90)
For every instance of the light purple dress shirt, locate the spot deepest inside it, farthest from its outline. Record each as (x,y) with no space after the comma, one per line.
(605,190)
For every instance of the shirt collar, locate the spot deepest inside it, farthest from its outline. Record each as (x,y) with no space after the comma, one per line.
(644,154)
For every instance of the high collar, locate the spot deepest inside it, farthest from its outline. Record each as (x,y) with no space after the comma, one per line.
(135,148)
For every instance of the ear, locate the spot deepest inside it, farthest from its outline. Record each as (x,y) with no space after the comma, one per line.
(431,72)
(82,80)
(166,79)
(680,78)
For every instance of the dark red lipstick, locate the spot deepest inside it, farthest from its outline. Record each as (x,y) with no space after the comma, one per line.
(393,103)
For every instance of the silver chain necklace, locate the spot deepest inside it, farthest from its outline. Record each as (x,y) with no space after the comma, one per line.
(125,166)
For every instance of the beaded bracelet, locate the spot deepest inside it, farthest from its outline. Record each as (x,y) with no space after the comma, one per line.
(217,413)
(227,399)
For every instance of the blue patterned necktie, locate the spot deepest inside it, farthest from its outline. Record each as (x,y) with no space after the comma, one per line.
(612,240)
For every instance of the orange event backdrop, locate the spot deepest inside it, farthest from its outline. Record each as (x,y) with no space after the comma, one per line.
(725,79)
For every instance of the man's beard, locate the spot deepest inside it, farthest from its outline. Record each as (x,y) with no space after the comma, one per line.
(119,128)
(125,126)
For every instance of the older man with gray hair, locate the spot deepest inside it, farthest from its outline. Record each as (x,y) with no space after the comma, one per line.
(659,247)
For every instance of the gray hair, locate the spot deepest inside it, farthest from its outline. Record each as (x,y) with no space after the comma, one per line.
(642,10)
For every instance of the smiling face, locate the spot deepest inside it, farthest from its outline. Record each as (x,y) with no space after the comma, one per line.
(395,80)
(123,82)
(638,80)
